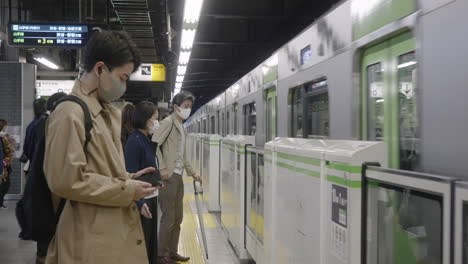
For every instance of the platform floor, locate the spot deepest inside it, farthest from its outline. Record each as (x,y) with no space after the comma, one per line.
(15,251)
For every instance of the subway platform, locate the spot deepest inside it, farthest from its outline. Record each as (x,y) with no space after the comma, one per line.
(16,251)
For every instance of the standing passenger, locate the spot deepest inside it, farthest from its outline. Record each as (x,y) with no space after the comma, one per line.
(6,159)
(140,153)
(40,108)
(172,162)
(100,223)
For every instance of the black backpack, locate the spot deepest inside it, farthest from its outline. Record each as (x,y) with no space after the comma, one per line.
(40,218)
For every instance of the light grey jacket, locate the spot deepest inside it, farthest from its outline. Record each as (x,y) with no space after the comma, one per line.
(168,136)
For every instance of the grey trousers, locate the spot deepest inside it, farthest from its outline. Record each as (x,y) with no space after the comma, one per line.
(172,207)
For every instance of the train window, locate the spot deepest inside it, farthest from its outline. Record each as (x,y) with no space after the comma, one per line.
(297,112)
(271,118)
(409,123)
(235,118)
(317,115)
(205,130)
(375,102)
(222,126)
(218,131)
(250,122)
(212,125)
(310,110)
(227,124)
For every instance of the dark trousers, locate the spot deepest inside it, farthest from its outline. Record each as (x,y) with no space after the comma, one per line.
(4,187)
(172,207)
(42,247)
(150,229)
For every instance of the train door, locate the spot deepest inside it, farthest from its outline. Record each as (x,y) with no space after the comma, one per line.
(271,110)
(389,99)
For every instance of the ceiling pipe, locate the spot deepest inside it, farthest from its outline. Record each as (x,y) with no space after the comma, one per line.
(169,30)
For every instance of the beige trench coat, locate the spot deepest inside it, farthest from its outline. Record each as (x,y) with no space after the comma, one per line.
(168,136)
(100,223)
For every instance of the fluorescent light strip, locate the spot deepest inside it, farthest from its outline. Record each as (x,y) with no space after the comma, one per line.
(47,63)
(188,36)
(192,10)
(407,64)
(181,70)
(180,79)
(184,57)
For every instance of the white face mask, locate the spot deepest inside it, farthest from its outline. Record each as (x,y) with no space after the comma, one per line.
(184,113)
(155,127)
(110,89)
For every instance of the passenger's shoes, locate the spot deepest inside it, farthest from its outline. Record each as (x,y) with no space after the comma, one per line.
(3,207)
(180,258)
(166,260)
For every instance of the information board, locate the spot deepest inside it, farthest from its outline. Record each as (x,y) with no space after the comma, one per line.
(150,73)
(40,35)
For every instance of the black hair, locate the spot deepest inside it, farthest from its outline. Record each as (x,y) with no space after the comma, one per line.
(163,113)
(127,116)
(39,107)
(3,124)
(143,112)
(114,48)
(53,99)
(181,97)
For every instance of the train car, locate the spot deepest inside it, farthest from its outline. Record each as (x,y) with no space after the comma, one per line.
(367,70)
(392,71)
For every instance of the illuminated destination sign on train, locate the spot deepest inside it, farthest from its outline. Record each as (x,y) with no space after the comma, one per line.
(42,35)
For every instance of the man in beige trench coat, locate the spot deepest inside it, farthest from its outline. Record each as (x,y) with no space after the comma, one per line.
(100,223)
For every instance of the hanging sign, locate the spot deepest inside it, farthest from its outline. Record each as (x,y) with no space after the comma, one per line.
(150,73)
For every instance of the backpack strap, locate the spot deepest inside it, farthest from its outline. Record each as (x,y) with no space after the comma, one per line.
(88,127)
(160,146)
(87,115)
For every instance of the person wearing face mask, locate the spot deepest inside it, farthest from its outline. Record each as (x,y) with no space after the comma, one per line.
(140,153)
(171,153)
(100,222)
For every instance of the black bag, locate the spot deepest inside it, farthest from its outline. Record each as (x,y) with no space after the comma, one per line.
(154,178)
(41,218)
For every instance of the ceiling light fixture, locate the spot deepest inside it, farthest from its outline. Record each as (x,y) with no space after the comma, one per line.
(180,79)
(407,64)
(184,57)
(47,63)
(181,70)
(188,36)
(192,11)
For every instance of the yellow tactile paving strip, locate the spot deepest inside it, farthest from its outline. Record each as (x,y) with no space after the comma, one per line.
(190,243)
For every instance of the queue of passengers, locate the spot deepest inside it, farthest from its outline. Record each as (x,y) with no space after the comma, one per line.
(96,175)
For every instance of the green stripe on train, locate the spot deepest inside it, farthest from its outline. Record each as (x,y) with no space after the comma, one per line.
(344,167)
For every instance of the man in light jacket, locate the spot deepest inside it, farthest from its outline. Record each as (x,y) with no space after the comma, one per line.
(172,156)
(100,223)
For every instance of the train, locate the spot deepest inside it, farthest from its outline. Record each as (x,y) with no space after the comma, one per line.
(383,71)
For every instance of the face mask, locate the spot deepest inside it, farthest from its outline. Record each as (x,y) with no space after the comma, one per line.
(155,127)
(184,113)
(110,89)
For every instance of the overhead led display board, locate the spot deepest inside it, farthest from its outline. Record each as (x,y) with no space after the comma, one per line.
(45,35)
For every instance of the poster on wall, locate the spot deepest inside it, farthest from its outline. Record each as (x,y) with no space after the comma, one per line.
(339,222)
(45,88)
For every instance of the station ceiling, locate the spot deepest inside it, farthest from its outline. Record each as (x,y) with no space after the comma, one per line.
(234,36)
